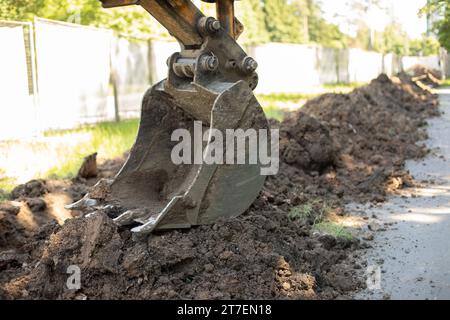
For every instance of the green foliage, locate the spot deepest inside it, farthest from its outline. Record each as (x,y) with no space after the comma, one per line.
(393,40)
(327,34)
(441,9)
(251,13)
(362,38)
(285,20)
(291,21)
(424,47)
(21,9)
(131,20)
(322,32)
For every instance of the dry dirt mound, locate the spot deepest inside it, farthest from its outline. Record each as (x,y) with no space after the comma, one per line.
(339,147)
(261,256)
(374,130)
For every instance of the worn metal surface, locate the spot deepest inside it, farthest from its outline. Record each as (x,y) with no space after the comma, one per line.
(210,80)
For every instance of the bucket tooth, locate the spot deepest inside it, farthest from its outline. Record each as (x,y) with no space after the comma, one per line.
(130,216)
(83,203)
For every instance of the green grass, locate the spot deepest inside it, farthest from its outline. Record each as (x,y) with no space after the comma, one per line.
(333,229)
(273,112)
(301,212)
(285,97)
(59,154)
(316,208)
(6,185)
(343,87)
(109,139)
(277,105)
(445,83)
(319,210)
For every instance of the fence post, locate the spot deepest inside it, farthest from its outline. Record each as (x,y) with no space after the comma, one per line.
(151,63)
(443,62)
(336,59)
(113,80)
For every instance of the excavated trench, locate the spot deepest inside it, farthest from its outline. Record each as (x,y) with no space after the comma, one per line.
(338,148)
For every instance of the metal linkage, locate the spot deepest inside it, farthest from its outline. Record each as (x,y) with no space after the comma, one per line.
(206,41)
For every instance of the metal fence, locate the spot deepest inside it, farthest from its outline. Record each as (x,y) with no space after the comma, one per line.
(56,75)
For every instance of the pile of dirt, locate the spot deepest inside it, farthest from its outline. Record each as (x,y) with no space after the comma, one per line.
(337,148)
(358,142)
(263,255)
(426,76)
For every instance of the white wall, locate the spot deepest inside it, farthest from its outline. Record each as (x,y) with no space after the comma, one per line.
(363,65)
(285,67)
(161,51)
(73,68)
(131,69)
(299,68)
(17,113)
(431,62)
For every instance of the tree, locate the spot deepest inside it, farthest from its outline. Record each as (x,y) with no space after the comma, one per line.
(130,20)
(426,46)
(20,9)
(284,20)
(365,32)
(322,32)
(362,38)
(327,34)
(441,9)
(393,40)
(251,13)
(294,21)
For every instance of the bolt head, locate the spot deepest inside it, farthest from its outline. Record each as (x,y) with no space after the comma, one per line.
(250,64)
(209,63)
(213,63)
(215,25)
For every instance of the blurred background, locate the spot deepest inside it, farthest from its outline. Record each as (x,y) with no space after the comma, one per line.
(72,74)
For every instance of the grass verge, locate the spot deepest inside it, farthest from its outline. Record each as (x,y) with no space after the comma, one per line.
(445,83)
(109,139)
(59,154)
(333,229)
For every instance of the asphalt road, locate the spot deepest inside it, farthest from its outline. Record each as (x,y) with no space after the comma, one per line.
(411,258)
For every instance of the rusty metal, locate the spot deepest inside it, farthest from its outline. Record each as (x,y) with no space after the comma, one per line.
(210,80)
(225,14)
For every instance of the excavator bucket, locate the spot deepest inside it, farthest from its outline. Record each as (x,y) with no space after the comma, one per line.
(193,115)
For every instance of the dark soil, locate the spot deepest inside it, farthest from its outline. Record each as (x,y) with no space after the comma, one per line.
(338,148)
